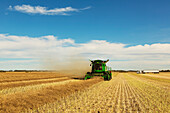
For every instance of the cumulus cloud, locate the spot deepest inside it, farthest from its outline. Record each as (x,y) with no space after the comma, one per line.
(121,56)
(44,10)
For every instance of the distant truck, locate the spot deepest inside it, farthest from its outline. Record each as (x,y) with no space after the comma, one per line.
(99,68)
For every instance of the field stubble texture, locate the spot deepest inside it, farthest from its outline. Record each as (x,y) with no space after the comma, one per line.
(124,93)
(32,94)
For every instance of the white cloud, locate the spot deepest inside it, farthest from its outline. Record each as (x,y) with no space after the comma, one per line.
(44,10)
(132,57)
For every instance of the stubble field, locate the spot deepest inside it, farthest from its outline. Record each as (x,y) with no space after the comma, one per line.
(48,92)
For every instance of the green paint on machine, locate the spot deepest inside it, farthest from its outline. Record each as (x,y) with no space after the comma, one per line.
(99,68)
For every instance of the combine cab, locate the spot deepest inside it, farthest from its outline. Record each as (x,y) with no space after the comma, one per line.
(99,68)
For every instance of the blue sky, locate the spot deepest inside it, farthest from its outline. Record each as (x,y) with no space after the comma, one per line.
(133,21)
(130,22)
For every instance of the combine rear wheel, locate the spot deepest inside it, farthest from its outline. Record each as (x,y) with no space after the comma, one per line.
(107,77)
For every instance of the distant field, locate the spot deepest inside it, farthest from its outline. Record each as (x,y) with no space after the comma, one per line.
(166,74)
(23,76)
(48,92)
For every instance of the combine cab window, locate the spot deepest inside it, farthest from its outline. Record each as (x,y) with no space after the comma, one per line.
(98,67)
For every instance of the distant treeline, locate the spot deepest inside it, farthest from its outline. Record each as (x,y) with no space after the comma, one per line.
(164,71)
(136,70)
(25,70)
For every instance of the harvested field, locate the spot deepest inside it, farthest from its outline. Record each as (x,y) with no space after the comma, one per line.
(16,96)
(5,85)
(166,74)
(24,76)
(126,92)
(160,75)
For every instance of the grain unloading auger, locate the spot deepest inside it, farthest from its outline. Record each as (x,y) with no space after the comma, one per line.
(99,68)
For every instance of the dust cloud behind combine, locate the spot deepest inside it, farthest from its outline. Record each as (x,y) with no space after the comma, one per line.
(73,67)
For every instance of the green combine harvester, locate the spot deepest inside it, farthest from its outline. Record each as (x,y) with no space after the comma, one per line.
(99,68)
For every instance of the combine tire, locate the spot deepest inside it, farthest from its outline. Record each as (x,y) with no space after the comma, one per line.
(106,78)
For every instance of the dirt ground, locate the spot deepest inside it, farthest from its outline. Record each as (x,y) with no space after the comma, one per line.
(126,92)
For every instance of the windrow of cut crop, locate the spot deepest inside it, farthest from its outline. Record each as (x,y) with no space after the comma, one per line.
(29,99)
(23,76)
(30,82)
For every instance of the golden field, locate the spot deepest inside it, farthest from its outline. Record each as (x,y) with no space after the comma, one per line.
(47,92)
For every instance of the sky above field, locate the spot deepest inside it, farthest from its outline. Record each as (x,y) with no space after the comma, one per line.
(133,34)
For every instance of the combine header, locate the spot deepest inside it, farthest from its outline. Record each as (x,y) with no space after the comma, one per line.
(99,68)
